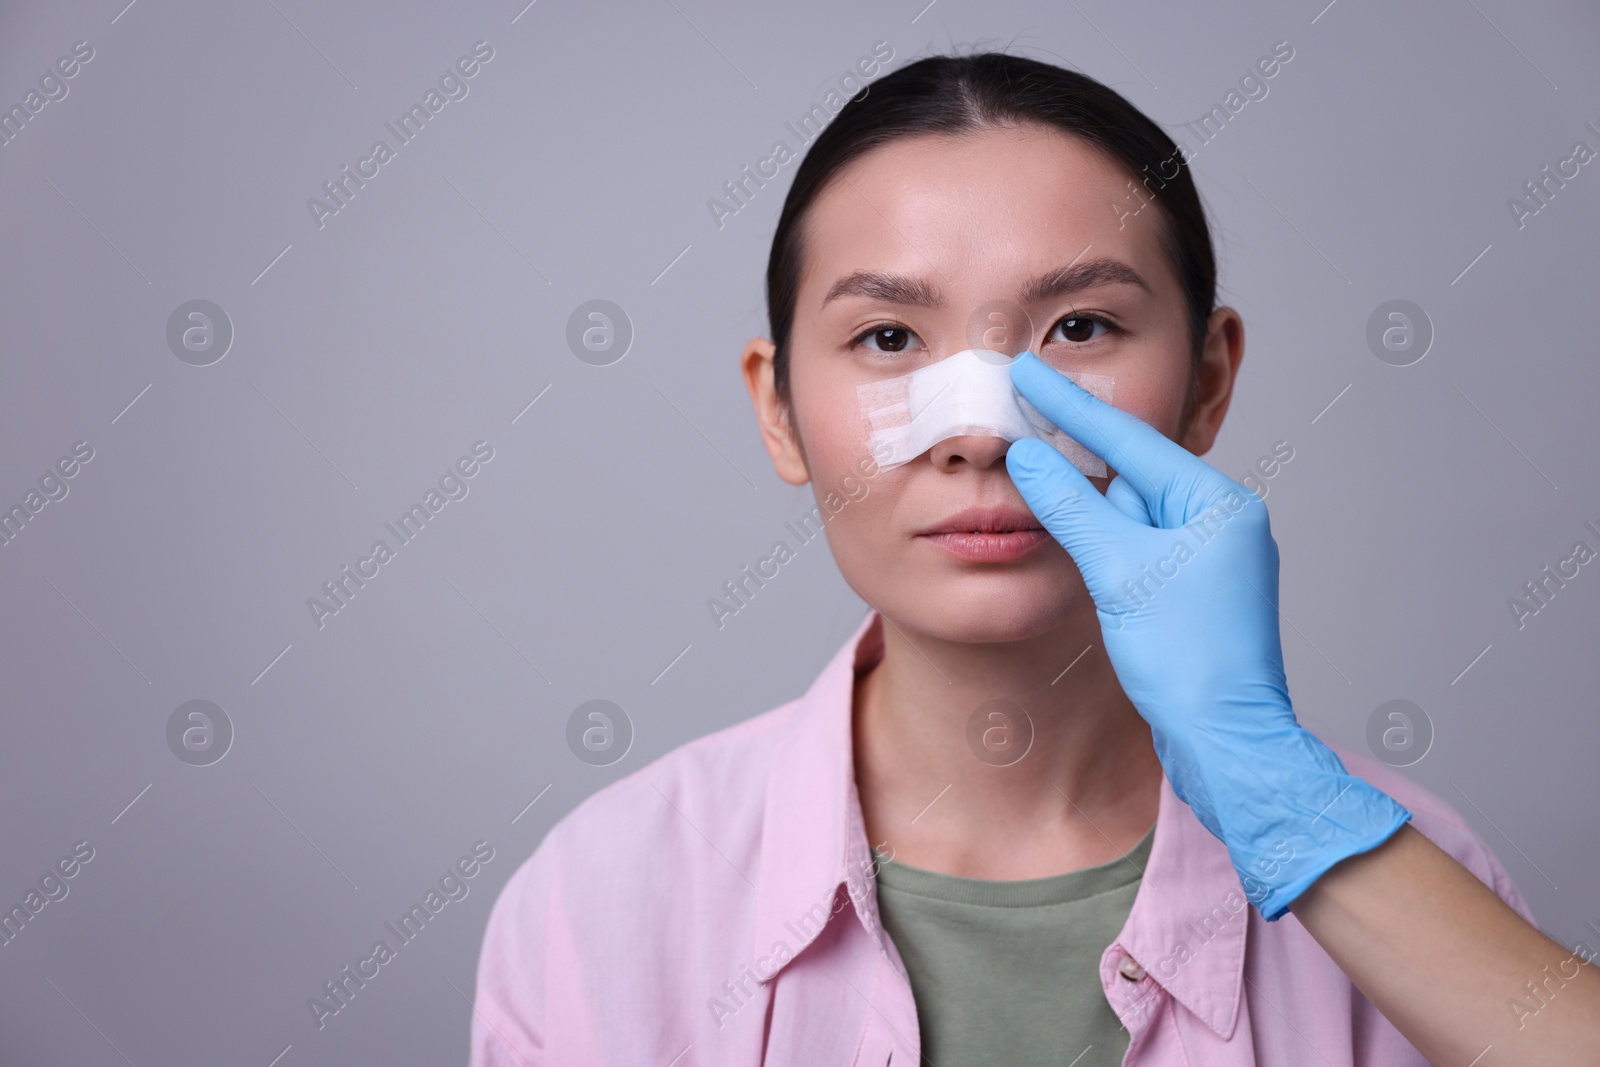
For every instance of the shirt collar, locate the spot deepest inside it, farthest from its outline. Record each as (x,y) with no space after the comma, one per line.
(814,837)
(1186,927)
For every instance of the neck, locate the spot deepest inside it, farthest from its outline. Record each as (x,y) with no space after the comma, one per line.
(986,800)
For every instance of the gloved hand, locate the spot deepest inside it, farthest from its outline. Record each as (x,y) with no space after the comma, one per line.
(1181,563)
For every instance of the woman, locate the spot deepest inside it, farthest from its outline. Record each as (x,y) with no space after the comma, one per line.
(1042,806)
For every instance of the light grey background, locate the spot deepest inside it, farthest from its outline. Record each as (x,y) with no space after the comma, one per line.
(370,353)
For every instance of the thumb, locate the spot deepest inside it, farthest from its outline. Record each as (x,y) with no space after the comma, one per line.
(1125,498)
(1068,505)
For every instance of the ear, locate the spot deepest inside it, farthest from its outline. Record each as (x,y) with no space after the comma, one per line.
(772,415)
(1214,378)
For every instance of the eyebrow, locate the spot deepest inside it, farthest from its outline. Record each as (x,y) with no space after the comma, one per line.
(919,292)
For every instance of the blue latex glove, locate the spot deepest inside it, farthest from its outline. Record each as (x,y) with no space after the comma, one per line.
(1181,563)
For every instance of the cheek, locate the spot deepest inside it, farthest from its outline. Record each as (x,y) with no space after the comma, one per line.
(836,437)
(845,481)
(840,464)
(1156,399)
(864,530)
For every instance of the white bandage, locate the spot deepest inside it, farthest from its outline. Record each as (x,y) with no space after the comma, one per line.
(967,393)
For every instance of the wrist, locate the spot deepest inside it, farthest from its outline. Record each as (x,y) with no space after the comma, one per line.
(1294,867)
(1283,804)
(1322,815)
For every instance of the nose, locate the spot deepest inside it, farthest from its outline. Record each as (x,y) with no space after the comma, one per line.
(980,450)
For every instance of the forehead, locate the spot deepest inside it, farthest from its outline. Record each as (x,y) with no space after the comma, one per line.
(978,211)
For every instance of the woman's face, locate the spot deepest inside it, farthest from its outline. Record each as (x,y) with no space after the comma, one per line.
(933,244)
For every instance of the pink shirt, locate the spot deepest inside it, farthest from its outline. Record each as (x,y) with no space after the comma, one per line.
(718,907)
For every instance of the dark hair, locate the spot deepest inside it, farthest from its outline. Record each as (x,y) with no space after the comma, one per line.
(964,94)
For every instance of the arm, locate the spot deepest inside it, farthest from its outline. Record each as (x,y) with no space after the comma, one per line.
(507,1027)
(1446,960)
(1199,654)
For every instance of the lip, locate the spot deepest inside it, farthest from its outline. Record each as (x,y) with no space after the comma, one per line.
(995,534)
(989,547)
(994,518)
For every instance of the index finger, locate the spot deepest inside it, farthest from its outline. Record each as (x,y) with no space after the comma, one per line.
(1151,462)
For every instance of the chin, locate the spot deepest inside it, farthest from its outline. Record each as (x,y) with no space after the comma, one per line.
(986,612)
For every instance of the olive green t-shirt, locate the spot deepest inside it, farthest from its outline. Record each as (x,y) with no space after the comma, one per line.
(1009,972)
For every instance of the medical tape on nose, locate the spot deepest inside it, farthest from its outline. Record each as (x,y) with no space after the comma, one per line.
(967,393)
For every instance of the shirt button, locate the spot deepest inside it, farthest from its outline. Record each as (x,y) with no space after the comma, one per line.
(1130,969)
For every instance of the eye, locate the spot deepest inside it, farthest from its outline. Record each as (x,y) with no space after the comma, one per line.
(886,338)
(1078,328)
